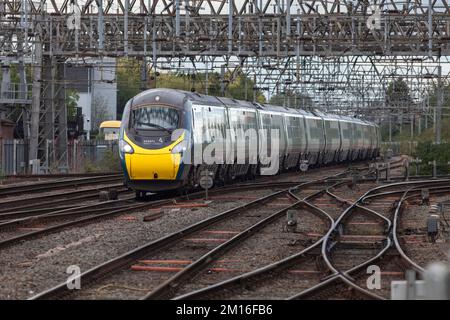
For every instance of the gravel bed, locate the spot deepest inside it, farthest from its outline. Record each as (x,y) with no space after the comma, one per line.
(413,234)
(39,264)
(36,224)
(271,244)
(128,282)
(282,285)
(34,196)
(391,268)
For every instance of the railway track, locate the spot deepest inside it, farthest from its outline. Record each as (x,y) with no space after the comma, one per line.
(16,190)
(296,271)
(51,202)
(101,213)
(388,256)
(121,263)
(45,214)
(315,273)
(59,175)
(16,231)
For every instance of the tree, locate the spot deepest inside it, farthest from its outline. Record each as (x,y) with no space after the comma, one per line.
(292,99)
(398,97)
(128,82)
(242,87)
(72,98)
(99,112)
(432,102)
(188,82)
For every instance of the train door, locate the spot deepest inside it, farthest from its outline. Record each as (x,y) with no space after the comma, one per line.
(333,138)
(295,139)
(347,140)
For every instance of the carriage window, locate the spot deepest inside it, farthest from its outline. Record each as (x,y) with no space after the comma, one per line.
(155,118)
(331,132)
(316,129)
(294,127)
(346,133)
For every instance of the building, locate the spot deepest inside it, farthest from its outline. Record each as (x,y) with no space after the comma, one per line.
(6,129)
(95,82)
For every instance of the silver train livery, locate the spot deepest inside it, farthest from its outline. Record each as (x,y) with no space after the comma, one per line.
(153,160)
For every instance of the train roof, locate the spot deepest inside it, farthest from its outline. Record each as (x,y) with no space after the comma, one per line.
(178,97)
(160,95)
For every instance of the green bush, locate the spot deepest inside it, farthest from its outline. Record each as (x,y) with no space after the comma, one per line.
(90,167)
(110,162)
(2,176)
(428,151)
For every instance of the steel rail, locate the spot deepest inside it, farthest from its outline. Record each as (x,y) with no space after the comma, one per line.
(282,264)
(139,206)
(51,185)
(303,202)
(125,259)
(67,197)
(344,275)
(331,233)
(168,288)
(285,263)
(85,209)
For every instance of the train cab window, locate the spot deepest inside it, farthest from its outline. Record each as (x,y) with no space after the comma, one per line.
(155,118)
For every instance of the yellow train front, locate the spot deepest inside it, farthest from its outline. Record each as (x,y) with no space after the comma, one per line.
(151,146)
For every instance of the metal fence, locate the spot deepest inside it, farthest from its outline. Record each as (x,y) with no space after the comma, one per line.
(407,147)
(14,156)
(82,156)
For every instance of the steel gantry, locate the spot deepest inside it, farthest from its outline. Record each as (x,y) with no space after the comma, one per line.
(342,54)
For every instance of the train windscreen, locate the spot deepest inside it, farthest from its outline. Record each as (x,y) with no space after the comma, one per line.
(155,118)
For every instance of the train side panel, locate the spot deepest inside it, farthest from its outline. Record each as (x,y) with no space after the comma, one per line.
(347,140)
(333,142)
(295,138)
(316,139)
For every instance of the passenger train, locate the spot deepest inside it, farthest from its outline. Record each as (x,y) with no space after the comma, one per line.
(153,160)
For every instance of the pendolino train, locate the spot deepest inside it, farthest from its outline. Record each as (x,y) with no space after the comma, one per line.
(153,160)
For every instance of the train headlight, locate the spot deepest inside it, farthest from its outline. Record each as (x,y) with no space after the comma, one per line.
(125,147)
(180,147)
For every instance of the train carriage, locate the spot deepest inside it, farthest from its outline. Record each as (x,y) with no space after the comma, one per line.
(163,131)
(333,138)
(295,139)
(346,139)
(243,122)
(271,121)
(316,139)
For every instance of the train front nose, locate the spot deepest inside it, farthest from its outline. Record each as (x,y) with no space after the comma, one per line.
(159,166)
